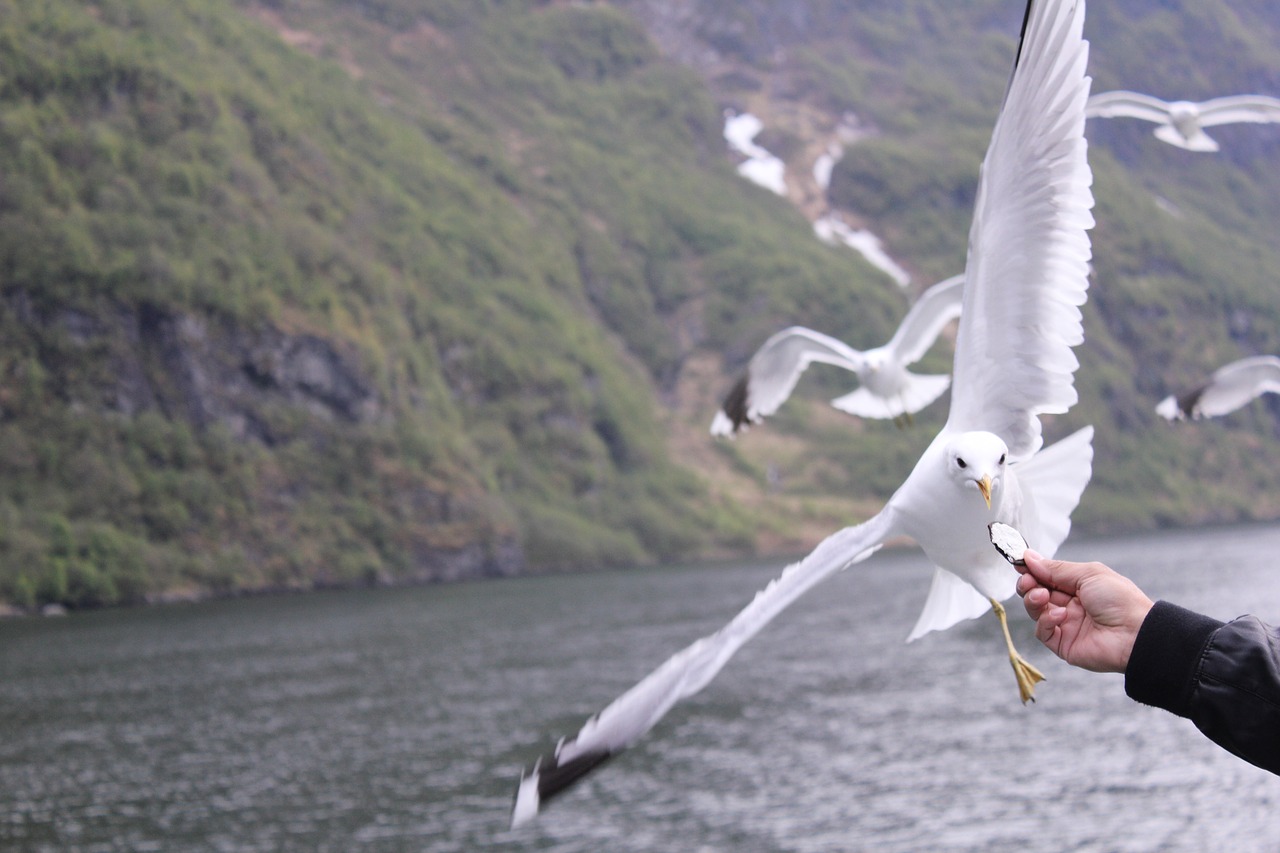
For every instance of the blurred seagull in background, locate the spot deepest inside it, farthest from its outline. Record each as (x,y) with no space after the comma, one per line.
(1229,388)
(1182,123)
(1026,277)
(888,389)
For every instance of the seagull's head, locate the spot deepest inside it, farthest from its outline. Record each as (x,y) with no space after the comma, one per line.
(976,461)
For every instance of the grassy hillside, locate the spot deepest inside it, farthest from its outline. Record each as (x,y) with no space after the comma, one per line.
(298,293)
(284,309)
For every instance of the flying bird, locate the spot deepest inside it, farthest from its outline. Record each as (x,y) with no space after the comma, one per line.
(1229,388)
(1182,123)
(888,389)
(1025,280)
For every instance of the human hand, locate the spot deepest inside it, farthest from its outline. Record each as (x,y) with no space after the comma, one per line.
(1086,614)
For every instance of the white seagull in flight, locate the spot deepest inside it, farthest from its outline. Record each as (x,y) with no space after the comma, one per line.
(1182,123)
(1026,277)
(1229,388)
(888,389)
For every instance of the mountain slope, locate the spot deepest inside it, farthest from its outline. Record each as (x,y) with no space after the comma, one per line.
(298,293)
(274,319)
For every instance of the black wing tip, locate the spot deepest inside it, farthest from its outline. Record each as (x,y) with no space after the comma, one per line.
(549,778)
(1189,402)
(557,778)
(1022,33)
(736,406)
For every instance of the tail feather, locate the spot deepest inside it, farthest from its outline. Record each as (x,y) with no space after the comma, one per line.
(951,600)
(1201,141)
(919,392)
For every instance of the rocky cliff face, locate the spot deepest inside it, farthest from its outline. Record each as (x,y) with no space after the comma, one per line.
(194,392)
(202,370)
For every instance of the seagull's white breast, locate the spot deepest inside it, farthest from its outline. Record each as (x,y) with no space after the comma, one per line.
(949,521)
(883,375)
(1185,116)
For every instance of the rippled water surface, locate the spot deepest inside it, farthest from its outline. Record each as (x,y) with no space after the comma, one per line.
(398,720)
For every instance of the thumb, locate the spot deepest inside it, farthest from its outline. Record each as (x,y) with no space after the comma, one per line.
(1061,575)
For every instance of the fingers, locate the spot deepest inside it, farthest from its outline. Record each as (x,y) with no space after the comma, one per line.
(1060,575)
(1036,600)
(1049,625)
(1028,587)
(1038,567)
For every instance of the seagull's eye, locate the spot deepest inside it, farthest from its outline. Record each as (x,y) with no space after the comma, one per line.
(961,462)
(1001,459)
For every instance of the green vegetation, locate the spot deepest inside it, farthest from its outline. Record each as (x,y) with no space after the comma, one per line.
(311,292)
(191,204)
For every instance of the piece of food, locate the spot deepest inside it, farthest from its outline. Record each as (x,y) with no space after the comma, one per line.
(1008,542)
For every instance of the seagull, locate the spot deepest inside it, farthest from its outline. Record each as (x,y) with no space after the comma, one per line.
(1182,123)
(1229,388)
(888,389)
(1026,276)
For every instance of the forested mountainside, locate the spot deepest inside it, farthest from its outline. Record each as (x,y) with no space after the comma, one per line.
(305,293)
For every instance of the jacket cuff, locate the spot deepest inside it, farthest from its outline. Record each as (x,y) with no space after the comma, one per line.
(1166,657)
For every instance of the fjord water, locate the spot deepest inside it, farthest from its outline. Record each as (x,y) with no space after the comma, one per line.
(398,720)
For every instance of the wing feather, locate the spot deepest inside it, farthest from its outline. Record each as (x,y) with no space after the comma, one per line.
(1257,109)
(1027,268)
(1122,104)
(936,307)
(635,712)
(1236,384)
(773,372)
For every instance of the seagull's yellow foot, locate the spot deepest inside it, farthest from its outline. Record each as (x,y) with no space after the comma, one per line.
(1028,677)
(1026,674)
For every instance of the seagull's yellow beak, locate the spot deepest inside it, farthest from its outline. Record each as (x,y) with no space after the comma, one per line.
(984,486)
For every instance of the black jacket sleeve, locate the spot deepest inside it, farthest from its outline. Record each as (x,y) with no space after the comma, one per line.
(1224,677)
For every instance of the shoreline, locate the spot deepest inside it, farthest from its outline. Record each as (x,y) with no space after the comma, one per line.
(194,596)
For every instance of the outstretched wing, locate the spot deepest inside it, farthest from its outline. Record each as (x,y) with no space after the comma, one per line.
(1234,385)
(1026,274)
(1122,104)
(773,372)
(1240,108)
(633,713)
(936,307)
